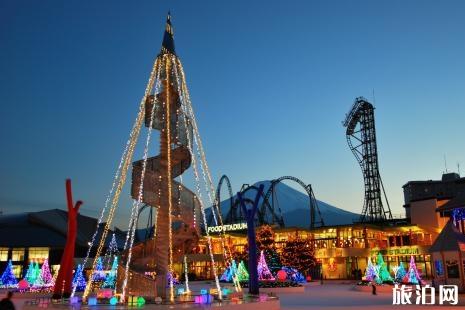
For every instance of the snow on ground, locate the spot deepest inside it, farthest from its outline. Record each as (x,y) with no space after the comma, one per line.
(329,296)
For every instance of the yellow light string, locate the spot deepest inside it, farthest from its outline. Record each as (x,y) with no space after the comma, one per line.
(199,194)
(204,166)
(122,179)
(168,153)
(136,204)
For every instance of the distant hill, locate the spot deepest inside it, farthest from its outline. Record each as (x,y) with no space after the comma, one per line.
(294,207)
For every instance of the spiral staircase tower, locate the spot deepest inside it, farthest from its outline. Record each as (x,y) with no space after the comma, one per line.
(176,206)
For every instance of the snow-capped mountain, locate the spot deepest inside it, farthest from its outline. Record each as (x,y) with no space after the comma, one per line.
(294,205)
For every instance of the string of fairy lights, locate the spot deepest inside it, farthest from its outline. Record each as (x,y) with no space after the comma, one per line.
(184,92)
(165,66)
(122,177)
(136,203)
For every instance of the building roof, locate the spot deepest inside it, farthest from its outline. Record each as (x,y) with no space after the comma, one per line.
(456,202)
(44,229)
(450,239)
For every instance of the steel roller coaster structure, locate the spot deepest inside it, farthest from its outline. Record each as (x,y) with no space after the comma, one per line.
(361,138)
(268,211)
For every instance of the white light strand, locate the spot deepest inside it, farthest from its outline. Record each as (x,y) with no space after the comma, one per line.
(136,204)
(186,275)
(204,166)
(199,194)
(122,178)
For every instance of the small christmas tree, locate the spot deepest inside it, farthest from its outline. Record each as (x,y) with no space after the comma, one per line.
(226,276)
(400,273)
(30,274)
(111,277)
(265,242)
(242,274)
(384,275)
(112,252)
(99,274)
(78,279)
(264,272)
(229,272)
(412,276)
(36,272)
(8,278)
(45,278)
(370,272)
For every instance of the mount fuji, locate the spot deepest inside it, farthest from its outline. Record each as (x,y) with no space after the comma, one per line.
(294,206)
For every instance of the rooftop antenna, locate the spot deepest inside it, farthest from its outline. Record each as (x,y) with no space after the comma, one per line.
(374,101)
(458,168)
(445,163)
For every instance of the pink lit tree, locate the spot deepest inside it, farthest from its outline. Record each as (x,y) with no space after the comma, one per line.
(264,272)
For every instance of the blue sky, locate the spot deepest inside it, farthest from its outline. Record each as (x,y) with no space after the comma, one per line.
(270,82)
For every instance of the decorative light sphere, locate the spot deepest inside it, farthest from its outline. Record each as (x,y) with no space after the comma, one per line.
(281,275)
(113,301)
(158,300)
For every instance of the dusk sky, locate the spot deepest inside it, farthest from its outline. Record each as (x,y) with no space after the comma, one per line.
(270,82)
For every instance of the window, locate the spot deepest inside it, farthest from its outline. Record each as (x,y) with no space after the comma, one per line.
(17,271)
(17,255)
(452,269)
(3,254)
(38,254)
(439,268)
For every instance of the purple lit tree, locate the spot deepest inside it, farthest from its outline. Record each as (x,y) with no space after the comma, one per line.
(264,272)
(412,276)
(45,278)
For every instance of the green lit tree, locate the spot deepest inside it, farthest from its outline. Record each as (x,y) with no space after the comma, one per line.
(383,275)
(30,274)
(242,274)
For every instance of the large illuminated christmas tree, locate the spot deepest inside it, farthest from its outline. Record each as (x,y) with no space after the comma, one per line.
(412,276)
(383,274)
(8,278)
(298,253)
(242,274)
(264,272)
(78,280)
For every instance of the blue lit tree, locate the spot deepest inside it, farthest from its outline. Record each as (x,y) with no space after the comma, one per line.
(79,281)
(99,274)
(8,278)
(111,277)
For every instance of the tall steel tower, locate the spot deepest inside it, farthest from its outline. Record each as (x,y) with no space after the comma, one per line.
(361,137)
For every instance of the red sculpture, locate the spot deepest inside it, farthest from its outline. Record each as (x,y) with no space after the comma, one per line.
(65,274)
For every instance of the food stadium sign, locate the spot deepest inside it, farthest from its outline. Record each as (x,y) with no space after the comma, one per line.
(227,227)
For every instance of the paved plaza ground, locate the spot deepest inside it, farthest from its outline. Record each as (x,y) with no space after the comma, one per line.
(328,296)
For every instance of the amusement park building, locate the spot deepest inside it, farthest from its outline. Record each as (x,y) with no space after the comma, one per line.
(341,249)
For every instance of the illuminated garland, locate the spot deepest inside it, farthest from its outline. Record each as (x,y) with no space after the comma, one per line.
(136,204)
(199,193)
(127,160)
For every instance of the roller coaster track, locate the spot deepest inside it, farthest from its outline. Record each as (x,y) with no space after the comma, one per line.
(267,212)
(361,138)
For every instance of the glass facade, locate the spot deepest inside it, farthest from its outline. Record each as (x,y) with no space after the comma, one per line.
(38,254)
(17,255)
(3,254)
